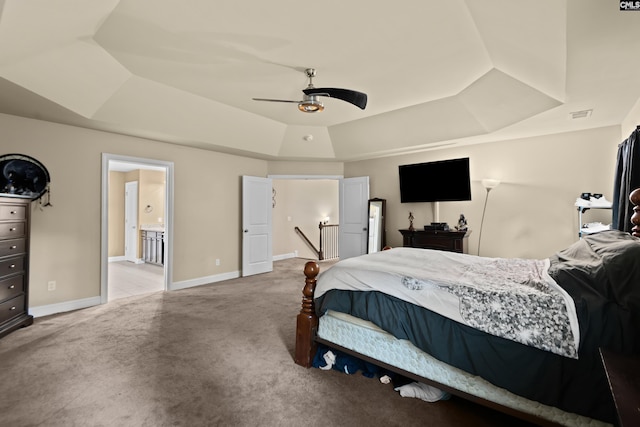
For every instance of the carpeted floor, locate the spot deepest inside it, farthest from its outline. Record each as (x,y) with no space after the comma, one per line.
(213,355)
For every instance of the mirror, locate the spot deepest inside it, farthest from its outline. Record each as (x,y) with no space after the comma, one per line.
(376,239)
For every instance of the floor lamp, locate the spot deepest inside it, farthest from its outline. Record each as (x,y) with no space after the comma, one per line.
(488,184)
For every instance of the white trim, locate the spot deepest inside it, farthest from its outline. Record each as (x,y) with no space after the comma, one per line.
(204,280)
(305,176)
(285,256)
(46,310)
(122,258)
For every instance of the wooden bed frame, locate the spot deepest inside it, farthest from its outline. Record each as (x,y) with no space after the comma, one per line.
(307,341)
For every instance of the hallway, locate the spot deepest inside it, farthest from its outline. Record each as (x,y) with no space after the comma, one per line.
(128,279)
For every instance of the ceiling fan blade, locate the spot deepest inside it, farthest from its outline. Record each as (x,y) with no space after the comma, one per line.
(274,100)
(356,98)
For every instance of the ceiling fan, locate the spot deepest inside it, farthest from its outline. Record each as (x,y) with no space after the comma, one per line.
(310,102)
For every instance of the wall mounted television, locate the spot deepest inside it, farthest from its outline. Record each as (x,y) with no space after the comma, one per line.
(440,181)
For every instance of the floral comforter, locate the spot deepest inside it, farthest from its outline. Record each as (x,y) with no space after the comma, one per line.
(514,298)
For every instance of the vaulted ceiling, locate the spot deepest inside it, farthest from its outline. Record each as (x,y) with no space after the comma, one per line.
(437,73)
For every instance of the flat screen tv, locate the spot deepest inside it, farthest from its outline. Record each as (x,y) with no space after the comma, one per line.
(441,181)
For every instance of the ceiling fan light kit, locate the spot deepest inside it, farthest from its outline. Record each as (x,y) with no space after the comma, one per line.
(310,102)
(310,105)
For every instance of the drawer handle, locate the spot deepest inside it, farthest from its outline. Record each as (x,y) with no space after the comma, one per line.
(12,266)
(12,229)
(12,308)
(12,287)
(13,247)
(14,212)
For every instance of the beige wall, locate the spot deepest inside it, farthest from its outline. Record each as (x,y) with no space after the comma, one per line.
(306,168)
(151,195)
(531,214)
(66,237)
(632,121)
(303,204)
(116,214)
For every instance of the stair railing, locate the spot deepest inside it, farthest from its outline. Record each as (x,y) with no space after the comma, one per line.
(328,241)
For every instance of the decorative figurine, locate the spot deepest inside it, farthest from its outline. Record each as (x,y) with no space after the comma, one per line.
(462,223)
(411,221)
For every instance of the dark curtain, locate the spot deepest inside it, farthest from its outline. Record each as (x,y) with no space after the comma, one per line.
(627,179)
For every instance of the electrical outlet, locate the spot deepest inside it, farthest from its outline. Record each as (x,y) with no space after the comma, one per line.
(51,285)
(217,261)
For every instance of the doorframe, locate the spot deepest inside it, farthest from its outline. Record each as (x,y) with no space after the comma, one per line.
(104,218)
(307,177)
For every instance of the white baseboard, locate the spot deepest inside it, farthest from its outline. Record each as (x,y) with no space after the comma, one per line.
(285,256)
(122,258)
(203,280)
(220,277)
(46,310)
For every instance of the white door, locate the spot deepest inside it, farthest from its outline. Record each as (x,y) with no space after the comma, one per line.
(257,251)
(354,216)
(131,221)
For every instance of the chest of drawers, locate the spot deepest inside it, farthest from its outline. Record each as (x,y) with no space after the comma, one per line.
(453,241)
(14,264)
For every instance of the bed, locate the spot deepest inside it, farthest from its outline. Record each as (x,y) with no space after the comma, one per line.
(435,328)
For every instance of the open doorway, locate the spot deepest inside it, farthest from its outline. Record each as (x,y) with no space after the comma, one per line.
(303,202)
(137,210)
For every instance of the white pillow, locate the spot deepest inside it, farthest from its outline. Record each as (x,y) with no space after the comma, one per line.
(422,391)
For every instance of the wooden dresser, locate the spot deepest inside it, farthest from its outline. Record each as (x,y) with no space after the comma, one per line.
(453,241)
(14,264)
(623,375)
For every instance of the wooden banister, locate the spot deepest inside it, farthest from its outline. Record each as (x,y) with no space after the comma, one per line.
(322,252)
(307,241)
(307,320)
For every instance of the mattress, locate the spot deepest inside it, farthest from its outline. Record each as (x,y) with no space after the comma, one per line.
(366,338)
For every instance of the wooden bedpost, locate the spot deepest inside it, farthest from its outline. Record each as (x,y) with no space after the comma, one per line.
(634,197)
(307,321)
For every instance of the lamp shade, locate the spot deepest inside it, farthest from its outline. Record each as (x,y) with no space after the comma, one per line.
(489,183)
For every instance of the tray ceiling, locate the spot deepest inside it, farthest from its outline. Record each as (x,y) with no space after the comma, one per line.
(436,73)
